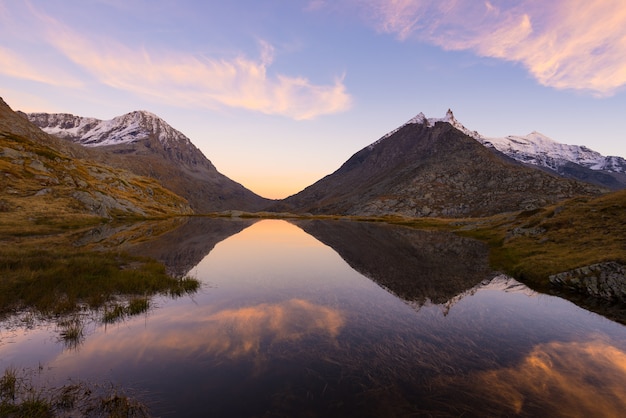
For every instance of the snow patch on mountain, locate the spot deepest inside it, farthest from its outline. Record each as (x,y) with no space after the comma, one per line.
(534,148)
(421,119)
(90,132)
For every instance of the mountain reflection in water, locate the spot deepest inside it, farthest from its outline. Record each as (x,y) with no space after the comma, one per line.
(418,266)
(292,325)
(178,243)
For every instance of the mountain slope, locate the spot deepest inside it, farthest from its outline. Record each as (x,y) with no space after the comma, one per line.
(430,168)
(44,176)
(146,145)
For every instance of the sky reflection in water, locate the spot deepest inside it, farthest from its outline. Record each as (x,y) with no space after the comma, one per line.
(285,327)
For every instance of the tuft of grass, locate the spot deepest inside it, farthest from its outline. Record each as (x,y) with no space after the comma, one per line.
(34,406)
(117,312)
(8,385)
(22,399)
(113,315)
(137,305)
(121,406)
(72,331)
(57,280)
(185,286)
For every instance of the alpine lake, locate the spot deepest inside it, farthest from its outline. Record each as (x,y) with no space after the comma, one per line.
(308,318)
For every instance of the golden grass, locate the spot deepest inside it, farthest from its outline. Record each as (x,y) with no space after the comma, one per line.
(37,179)
(41,269)
(533,245)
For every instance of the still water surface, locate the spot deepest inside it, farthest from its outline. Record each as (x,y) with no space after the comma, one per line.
(345,319)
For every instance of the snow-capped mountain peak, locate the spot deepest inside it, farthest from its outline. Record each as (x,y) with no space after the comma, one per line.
(90,132)
(538,149)
(421,119)
(534,148)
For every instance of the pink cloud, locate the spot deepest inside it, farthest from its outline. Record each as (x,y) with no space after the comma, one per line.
(185,79)
(15,65)
(573,44)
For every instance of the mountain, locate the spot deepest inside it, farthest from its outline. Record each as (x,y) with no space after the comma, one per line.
(571,161)
(432,167)
(143,143)
(45,177)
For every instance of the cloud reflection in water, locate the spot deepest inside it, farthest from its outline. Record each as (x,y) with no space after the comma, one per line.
(236,332)
(574,379)
(230,333)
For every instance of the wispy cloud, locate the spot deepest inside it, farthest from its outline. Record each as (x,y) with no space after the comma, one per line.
(189,80)
(14,65)
(565,44)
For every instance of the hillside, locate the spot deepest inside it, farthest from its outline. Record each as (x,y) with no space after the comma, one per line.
(432,169)
(580,232)
(43,177)
(146,145)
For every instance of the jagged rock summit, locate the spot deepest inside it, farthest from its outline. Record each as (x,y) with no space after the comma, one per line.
(432,167)
(142,142)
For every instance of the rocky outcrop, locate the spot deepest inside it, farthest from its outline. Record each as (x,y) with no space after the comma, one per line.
(603,280)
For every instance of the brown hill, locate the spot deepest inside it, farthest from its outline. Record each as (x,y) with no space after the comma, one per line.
(43,176)
(146,145)
(422,170)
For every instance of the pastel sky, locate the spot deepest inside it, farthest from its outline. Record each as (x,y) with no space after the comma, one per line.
(279,93)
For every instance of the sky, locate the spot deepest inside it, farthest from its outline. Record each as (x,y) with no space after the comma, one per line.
(279,93)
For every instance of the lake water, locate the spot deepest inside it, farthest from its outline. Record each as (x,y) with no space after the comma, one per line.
(335,318)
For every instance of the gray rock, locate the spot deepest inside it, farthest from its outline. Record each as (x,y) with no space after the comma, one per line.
(104,205)
(604,280)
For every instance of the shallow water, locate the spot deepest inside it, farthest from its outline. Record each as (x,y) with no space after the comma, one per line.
(346,319)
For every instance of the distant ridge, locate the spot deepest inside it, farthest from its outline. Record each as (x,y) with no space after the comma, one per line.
(145,144)
(571,161)
(432,167)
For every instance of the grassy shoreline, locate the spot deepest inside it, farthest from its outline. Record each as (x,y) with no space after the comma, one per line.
(44,276)
(528,245)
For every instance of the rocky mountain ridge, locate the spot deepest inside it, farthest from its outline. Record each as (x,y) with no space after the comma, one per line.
(430,167)
(142,142)
(146,145)
(92,132)
(571,161)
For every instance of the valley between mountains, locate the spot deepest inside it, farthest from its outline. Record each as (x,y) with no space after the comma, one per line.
(549,211)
